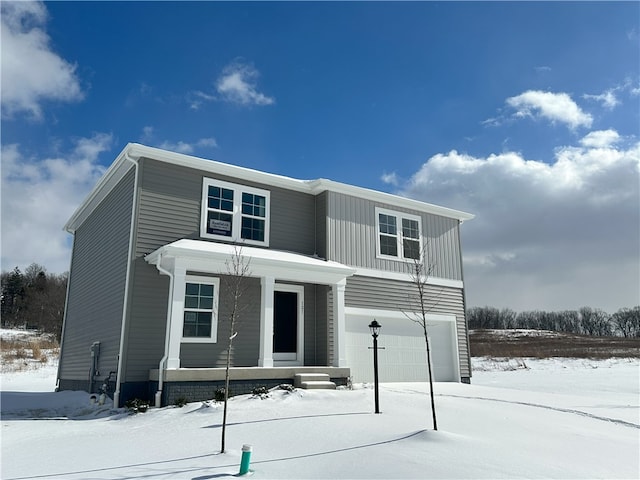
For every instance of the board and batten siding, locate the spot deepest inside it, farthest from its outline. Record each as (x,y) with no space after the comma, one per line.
(377,293)
(351,237)
(321,224)
(97,285)
(169,209)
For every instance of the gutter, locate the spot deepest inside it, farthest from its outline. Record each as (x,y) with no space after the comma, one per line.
(134,203)
(163,360)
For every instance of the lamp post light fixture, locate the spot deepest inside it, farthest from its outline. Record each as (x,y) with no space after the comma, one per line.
(375,330)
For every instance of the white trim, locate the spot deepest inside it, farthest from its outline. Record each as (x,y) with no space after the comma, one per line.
(236,213)
(267,284)
(406,277)
(177,311)
(298,358)
(215,281)
(204,256)
(399,216)
(127,281)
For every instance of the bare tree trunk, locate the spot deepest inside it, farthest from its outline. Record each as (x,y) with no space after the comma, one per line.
(420,270)
(226,387)
(433,402)
(238,271)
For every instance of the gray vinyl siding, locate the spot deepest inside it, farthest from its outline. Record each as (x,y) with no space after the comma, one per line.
(376,293)
(351,237)
(292,221)
(322,325)
(146,322)
(246,345)
(169,209)
(97,285)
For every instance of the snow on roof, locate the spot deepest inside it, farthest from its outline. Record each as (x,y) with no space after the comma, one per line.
(204,256)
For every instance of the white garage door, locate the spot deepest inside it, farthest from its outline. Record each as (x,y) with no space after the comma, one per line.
(404,357)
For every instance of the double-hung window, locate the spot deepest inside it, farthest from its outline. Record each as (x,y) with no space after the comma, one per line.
(234,212)
(200,309)
(398,235)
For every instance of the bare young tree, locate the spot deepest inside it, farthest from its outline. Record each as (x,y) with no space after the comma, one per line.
(421,302)
(234,288)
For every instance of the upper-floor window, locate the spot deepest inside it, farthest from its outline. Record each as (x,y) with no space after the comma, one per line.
(234,212)
(398,235)
(200,309)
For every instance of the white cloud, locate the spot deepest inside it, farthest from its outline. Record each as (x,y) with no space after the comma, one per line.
(180,147)
(555,235)
(608,99)
(556,107)
(31,71)
(207,142)
(188,148)
(38,197)
(390,178)
(148,137)
(238,84)
(600,139)
(197,98)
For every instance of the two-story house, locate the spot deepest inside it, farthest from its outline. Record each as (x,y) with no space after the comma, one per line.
(147,312)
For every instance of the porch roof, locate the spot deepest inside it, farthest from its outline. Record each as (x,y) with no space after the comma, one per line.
(211,257)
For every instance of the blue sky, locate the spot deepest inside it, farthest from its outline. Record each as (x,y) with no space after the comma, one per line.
(525,114)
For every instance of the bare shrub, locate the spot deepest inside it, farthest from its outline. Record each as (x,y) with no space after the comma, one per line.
(36,351)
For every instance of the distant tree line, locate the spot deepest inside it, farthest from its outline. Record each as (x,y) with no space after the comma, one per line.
(33,299)
(585,321)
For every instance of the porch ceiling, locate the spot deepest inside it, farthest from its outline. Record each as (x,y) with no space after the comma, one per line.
(211,257)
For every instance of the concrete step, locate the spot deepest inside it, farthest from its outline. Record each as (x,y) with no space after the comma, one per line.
(318,385)
(313,380)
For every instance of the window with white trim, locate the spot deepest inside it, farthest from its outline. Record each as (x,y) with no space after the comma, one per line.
(398,235)
(200,309)
(234,212)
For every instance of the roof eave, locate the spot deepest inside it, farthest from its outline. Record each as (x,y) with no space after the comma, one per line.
(109,179)
(323,184)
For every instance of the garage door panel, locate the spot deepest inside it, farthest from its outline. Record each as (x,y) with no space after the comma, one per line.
(402,354)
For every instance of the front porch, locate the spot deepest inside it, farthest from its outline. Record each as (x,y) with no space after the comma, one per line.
(199,384)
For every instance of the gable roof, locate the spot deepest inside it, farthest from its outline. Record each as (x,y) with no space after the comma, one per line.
(134,151)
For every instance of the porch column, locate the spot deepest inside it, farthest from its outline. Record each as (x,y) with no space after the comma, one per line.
(177,309)
(339,348)
(266,321)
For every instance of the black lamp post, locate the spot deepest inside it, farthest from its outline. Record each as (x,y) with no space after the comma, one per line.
(375,329)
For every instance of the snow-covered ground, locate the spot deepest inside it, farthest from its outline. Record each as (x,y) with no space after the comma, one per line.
(527,418)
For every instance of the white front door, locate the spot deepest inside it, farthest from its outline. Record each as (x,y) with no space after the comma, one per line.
(288,324)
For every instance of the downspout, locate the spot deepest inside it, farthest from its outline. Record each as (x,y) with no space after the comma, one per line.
(464,305)
(163,360)
(64,315)
(123,330)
